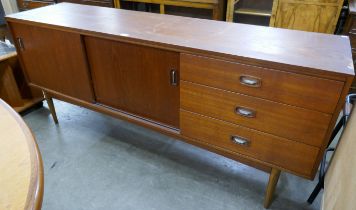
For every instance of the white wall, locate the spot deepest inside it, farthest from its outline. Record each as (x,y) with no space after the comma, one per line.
(10,6)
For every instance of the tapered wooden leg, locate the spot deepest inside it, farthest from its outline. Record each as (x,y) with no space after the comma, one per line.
(117,4)
(51,107)
(230,10)
(216,13)
(272,183)
(161,9)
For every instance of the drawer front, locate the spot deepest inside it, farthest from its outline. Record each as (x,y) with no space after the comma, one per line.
(294,89)
(102,3)
(28,4)
(290,155)
(352,28)
(352,36)
(353,85)
(318,1)
(282,120)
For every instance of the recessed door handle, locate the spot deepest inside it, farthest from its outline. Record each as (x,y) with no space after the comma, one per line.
(20,44)
(174,77)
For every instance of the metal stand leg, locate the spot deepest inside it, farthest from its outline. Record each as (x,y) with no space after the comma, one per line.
(349,99)
(315,192)
(322,172)
(337,129)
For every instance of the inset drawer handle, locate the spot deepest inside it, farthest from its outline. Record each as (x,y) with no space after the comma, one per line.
(250,81)
(240,140)
(245,112)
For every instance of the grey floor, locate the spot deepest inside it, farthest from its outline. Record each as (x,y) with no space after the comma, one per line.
(93,161)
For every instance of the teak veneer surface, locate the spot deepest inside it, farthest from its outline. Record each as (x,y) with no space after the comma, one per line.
(50,64)
(295,156)
(294,89)
(156,71)
(135,78)
(284,48)
(290,122)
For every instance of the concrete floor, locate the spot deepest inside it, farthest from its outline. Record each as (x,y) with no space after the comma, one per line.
(93,161)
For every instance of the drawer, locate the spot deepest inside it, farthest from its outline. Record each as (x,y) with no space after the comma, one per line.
(317,2)
(353,25)
(32,4)
(279,119)
(102,3)
(294,89)
(290,155)
(353,86)
(352,36)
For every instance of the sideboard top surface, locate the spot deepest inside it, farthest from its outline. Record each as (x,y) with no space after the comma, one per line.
(231,40)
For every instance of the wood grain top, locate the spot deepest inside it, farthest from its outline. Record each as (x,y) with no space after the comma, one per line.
(21,172)
(228,40)
(340,184)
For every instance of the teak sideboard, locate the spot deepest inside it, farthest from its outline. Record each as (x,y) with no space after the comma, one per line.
(266,97)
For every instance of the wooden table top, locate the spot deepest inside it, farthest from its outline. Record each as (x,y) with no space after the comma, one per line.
(340,182)
(290,48)
(21,171)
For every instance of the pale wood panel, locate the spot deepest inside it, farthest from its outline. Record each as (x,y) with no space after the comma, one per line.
(21,165)
(315,16)
(340,183)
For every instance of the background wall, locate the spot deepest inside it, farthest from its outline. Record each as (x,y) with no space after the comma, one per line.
(10,6)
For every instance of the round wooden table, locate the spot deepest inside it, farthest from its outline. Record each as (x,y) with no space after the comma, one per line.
(21,169)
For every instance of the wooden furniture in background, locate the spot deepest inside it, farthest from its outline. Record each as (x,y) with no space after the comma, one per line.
(32,4)
(350,30)
(217,6)
(8,87)
(340,185)
(102,3)
(20,163)
(261,10)
(306,15)
(13,88)
(263,96)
